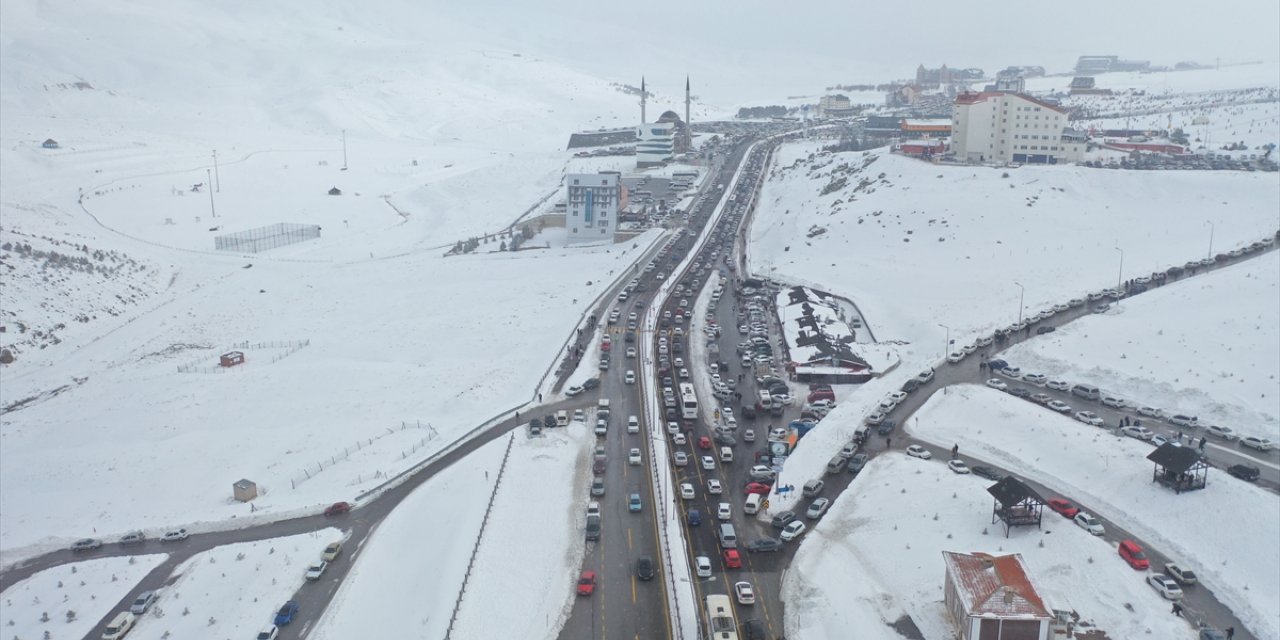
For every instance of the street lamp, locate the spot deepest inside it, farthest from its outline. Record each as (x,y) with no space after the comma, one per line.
(1210,223)
(1021,296)
(1120,275)
(946,348)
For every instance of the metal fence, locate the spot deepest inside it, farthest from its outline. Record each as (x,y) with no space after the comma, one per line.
(268,237)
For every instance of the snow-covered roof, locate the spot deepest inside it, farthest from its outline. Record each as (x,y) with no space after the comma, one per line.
(994,586)
(927,122)
(813,330)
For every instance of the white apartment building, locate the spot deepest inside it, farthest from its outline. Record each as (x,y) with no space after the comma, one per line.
(592,212)
(998,127)
(655,143)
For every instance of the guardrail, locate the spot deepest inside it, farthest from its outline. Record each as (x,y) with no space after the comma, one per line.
(475,549)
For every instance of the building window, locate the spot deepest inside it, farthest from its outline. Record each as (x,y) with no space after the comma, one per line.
(575,230)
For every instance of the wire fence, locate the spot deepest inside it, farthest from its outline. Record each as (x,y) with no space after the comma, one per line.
(268,237)
(314,469)
(286,349)
(475,549)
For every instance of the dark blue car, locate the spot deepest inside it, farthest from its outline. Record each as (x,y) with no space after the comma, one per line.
(287,612)
(695,517)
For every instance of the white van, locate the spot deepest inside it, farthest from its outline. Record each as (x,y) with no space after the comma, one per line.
(602,405)
(836,464)
(1087,391)
(562,418)
(119,626)
(728,538)
(726,454)
(752,506)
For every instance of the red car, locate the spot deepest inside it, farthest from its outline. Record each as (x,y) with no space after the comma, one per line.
(731,559)
(704,442)
(587,583)
(758,487)
(338,508)
(1063,507)
(1132,553)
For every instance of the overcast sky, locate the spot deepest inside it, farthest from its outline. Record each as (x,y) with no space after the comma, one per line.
(747,47)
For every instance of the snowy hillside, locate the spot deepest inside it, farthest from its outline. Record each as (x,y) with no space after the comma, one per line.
(915,244)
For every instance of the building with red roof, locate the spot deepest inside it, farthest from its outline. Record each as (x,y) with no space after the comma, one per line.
(992,598)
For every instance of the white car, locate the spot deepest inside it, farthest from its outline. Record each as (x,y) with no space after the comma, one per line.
(633,457)
(316,570)
(573,391)
(1089,417)
(1058,385)
(673,428)
(997,384)
(1180,575)
(686,491)
(817,508)
(874,419)
(896,397)
(887,405)
(679,439)
(1254,442)
(760,472)
(1115,402)
(744,593)
(724,511)
(1150,412)
(1089,523)
(1165,586)
(684,374)
(1183,421)
(956,356)
(925,376)
(1059,406)
(630,378)
(958,466)
(749,435)
(631,352)
(702,566)
(714,487)
(175,535)
(792,531)
(1220,432)
(1010,372)
(917,451)
(679,362)
(633,424)
(1035,378)
(1141,433)
(681,458)
(1040,398)
(708,463)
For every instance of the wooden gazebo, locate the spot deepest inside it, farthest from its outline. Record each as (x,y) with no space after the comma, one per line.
(1016,504)
(1179,468)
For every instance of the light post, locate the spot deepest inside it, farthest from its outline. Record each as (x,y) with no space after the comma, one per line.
(946,348)
(209,184)
(1210,223)
(1120,274)
(1022,293)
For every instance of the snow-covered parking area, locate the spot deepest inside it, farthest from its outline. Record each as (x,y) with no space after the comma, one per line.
(1241,564)
(68,600)
(1207,346)
(877,557)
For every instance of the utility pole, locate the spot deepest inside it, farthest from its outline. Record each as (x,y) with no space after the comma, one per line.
(1210,223)
(217,179)
(209,178)
(1021,297)
(344,149)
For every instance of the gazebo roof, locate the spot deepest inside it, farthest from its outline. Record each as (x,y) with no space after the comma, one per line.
(1011,491)
(1175,458)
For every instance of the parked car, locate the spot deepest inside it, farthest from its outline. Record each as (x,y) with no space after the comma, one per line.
(1182,420)
(997,384)
(1220,432)
(1035,378)
(1248,473)
(133,537)
(573,391)
(338,508)
(744,593)
(331,552)
(1141,433)
(1089,417)
(142,602)
(1059,406)
(758,487)
(270,633)
(1089,523)
(177,535)
(783,519)
(917,451)
(86,544)
(857,462)
(286,613)
(986,472)
(817,508)
(1058,385)
(1165,586)
(1254,442)
(1185,577)
(958,466)
(1133,554)
(1063,507)
(702,566)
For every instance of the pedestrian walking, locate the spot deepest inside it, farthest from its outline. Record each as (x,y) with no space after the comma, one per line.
(1177,610)
(1231,633)
(539,398)
(486,476)
(982,366)
(1202,441)
(517,416)
(955,449)
(888,442)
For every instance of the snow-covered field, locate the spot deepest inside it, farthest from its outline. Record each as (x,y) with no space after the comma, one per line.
(233,591)
(877,556)
(67,601)
(1112,475)
(422,555)
(1208,346)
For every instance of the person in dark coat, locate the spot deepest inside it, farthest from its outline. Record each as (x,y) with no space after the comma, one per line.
(1177,610)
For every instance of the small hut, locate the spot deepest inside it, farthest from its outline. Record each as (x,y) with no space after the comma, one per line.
(231,358)
(1016,504)
(50,144)
(244,490)
(335,191)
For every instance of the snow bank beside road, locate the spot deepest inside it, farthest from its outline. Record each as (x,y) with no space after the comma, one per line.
(1111,474)
(74,597)
(876,557)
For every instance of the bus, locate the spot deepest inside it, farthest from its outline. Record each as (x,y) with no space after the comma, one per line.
(688,401)
(720,622)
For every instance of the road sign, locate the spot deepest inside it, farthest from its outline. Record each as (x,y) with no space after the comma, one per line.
(765,504)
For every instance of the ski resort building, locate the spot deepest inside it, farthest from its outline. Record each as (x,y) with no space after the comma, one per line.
(593,202)
(997,127)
